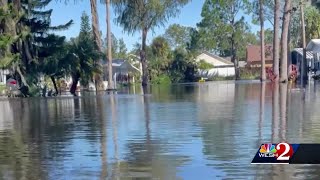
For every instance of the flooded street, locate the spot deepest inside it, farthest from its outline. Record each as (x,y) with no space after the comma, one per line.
(190,131)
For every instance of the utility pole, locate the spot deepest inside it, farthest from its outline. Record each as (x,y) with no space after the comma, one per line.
(304,70)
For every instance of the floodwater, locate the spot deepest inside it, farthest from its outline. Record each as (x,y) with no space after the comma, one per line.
(191,131)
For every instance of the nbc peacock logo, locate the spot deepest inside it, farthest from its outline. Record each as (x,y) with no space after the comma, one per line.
(268,150)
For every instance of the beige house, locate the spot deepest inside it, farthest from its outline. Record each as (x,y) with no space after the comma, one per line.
(222,67)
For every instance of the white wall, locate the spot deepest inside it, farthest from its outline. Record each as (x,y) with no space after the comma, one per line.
(220,72)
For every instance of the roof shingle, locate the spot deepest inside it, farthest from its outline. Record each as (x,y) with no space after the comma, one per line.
(254,53)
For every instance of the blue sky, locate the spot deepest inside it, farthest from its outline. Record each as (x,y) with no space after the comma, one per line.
(190,15)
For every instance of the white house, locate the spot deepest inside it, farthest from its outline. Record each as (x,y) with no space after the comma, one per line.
(313,48)
(122,71)
(222,67)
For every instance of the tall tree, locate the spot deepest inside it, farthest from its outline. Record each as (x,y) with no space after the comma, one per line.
(160,57)
(122,49)
(109,52)
(312,16)
(221,28)
(268,36)
(30,35)
(143,16)
(262,9)
(83,56)
(177,35)
(9,18)
(276,39)
(114,45)
(97,37)
(194,45)
(284,41)
(262,45)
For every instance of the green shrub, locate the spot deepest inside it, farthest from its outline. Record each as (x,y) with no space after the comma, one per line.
(204,65)
(248,73)
(2,89)
(162,79)
(34,91)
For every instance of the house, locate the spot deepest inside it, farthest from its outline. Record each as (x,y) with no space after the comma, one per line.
(254,56)
(297,56)
(221,66)
(122,71)
(313,56)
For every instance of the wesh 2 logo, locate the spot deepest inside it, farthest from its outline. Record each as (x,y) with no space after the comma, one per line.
(281,151)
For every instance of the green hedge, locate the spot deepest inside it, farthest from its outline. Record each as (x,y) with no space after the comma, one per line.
(248,73)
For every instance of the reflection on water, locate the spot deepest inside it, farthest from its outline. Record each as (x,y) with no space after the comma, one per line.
(190,131)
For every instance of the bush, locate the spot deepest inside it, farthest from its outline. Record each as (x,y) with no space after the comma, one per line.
(182,68)
(2,89)
(204,65)
(162,79)
(248,73)
(34,91)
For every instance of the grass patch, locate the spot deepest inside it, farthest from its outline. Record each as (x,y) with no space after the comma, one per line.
(2,89)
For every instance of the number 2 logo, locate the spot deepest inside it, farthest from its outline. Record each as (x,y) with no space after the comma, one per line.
(285,151)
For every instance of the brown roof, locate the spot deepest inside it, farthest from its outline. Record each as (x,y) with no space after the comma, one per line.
(254,53)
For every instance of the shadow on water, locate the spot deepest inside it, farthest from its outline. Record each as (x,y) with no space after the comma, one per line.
(262,107)
(283,111)
(275,113)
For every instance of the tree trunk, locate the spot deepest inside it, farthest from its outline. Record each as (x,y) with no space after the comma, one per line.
(276,42)
(23,79)
(109,53)
(233,51)
(143,58)
(284,42)
(263,65)
(304,66)
(97,38)
(75,80)
(54,84)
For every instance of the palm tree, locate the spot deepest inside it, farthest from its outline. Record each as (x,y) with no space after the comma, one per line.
(143,16)
(95,24)
(97,39)
(276,42)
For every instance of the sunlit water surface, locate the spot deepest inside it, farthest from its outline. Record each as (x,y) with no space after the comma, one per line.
(191,131)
